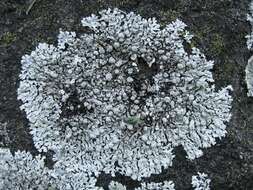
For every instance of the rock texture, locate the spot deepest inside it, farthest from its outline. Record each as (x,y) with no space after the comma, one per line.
(219,27)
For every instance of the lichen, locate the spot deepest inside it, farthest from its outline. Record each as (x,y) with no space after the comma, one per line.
(120,98)
(217,44)
(249,76)
(249,37)
(201,182)
(7,38)
(249,67)
(22,171)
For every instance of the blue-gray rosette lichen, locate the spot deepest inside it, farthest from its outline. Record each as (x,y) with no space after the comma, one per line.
(119,98)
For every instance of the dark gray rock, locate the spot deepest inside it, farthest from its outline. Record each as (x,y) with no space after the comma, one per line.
(219,27)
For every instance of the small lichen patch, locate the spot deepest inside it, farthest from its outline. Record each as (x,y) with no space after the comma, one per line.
(7,38)
(217,44)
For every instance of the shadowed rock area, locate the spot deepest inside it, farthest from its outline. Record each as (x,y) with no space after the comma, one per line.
(219,27)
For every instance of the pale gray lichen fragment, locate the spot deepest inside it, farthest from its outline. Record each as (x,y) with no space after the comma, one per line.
(249,76)
(201,182)
(249,67)
(165,185)
(249,37)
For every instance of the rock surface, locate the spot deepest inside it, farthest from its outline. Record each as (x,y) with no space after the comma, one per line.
(219,27)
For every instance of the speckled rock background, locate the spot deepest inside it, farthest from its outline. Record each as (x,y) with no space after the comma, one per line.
(219,27)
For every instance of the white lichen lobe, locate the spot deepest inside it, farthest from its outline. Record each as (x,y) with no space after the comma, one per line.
(201,182)
(249,76)
(249,67)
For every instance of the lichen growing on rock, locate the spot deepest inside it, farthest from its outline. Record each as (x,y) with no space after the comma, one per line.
(249,67)
(249,37)
(249,76)
(201,182)
(22,171)
(166,185)
(119,98)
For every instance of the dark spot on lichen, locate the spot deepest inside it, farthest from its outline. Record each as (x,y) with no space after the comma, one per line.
(73,106)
